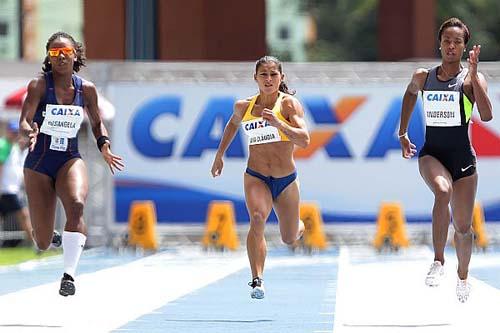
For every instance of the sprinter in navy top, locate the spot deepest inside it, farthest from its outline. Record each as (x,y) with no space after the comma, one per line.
(51,116)
(53,148)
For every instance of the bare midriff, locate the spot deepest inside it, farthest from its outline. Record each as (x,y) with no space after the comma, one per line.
(272,159)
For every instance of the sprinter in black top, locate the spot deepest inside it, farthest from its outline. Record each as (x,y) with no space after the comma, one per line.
(447,111)
(447,161)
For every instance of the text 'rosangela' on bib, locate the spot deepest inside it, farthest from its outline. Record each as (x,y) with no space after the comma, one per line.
(62,121)
(442,108)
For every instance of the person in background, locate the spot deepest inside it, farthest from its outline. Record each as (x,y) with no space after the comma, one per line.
(50,120)
(12,156)
(274,122)
(447,160)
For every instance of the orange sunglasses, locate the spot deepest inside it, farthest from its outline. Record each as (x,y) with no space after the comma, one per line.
(56,51)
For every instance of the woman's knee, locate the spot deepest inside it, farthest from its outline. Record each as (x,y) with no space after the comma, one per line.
(42,242)
(289,232)
(442,193)
(463,230)
(257,222)
(288,238)
(257,217)
(75,210)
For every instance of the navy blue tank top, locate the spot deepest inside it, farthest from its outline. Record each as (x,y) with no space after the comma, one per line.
(44,140)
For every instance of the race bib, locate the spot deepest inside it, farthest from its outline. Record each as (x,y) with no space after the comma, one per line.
(442,108)
(259,131)
(58,144)
(62,121)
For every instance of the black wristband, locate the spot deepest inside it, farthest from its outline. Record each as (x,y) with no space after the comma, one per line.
(101,141)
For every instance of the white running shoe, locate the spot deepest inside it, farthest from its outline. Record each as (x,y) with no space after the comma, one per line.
(257,285)
(463,290)
(435,274)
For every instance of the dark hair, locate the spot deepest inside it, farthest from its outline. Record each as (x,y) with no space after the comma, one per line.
(80,52)
(283,86)
(454,22)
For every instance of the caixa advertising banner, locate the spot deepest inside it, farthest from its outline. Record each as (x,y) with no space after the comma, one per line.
(168,136)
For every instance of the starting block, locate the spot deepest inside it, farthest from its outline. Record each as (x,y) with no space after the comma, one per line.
(391,227)
(142,225)
(478,227)
(220,231)
(314,235)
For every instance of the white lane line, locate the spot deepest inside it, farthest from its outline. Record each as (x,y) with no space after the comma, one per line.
(110,298)
(342,286)
(384,295)
(299,260)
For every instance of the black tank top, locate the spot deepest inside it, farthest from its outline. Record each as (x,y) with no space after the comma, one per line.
(447,112)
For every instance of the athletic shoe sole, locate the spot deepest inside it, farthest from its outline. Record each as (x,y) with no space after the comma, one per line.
(67,288)
(257,293)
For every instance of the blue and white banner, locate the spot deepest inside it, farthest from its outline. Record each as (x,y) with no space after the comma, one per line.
(168,135)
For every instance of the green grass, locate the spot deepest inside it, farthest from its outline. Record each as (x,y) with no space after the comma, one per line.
(16,255)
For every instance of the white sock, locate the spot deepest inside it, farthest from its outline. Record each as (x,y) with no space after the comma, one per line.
(72,243)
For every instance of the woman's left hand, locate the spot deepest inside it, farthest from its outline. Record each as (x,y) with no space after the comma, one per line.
(113,161)
(473,59)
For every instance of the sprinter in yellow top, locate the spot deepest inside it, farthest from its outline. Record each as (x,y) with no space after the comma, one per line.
(257,129)
(274,122)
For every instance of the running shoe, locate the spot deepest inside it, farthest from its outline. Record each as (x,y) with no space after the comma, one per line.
(56,240)
(257,285)
(67,285)
(463,290)
(435,274)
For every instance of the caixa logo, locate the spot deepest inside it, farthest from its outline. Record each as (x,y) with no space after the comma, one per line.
(218,111)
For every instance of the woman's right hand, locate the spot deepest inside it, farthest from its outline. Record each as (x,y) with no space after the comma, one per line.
(217,166)
(29,135)
(408,149)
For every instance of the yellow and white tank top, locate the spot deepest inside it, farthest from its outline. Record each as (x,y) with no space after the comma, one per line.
(258,130)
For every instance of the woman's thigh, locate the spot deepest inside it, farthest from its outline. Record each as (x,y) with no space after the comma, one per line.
(287,206)
(41,202)
(258,199)
(72,186)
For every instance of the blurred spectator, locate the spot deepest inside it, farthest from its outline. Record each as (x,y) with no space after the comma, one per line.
(12,157)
